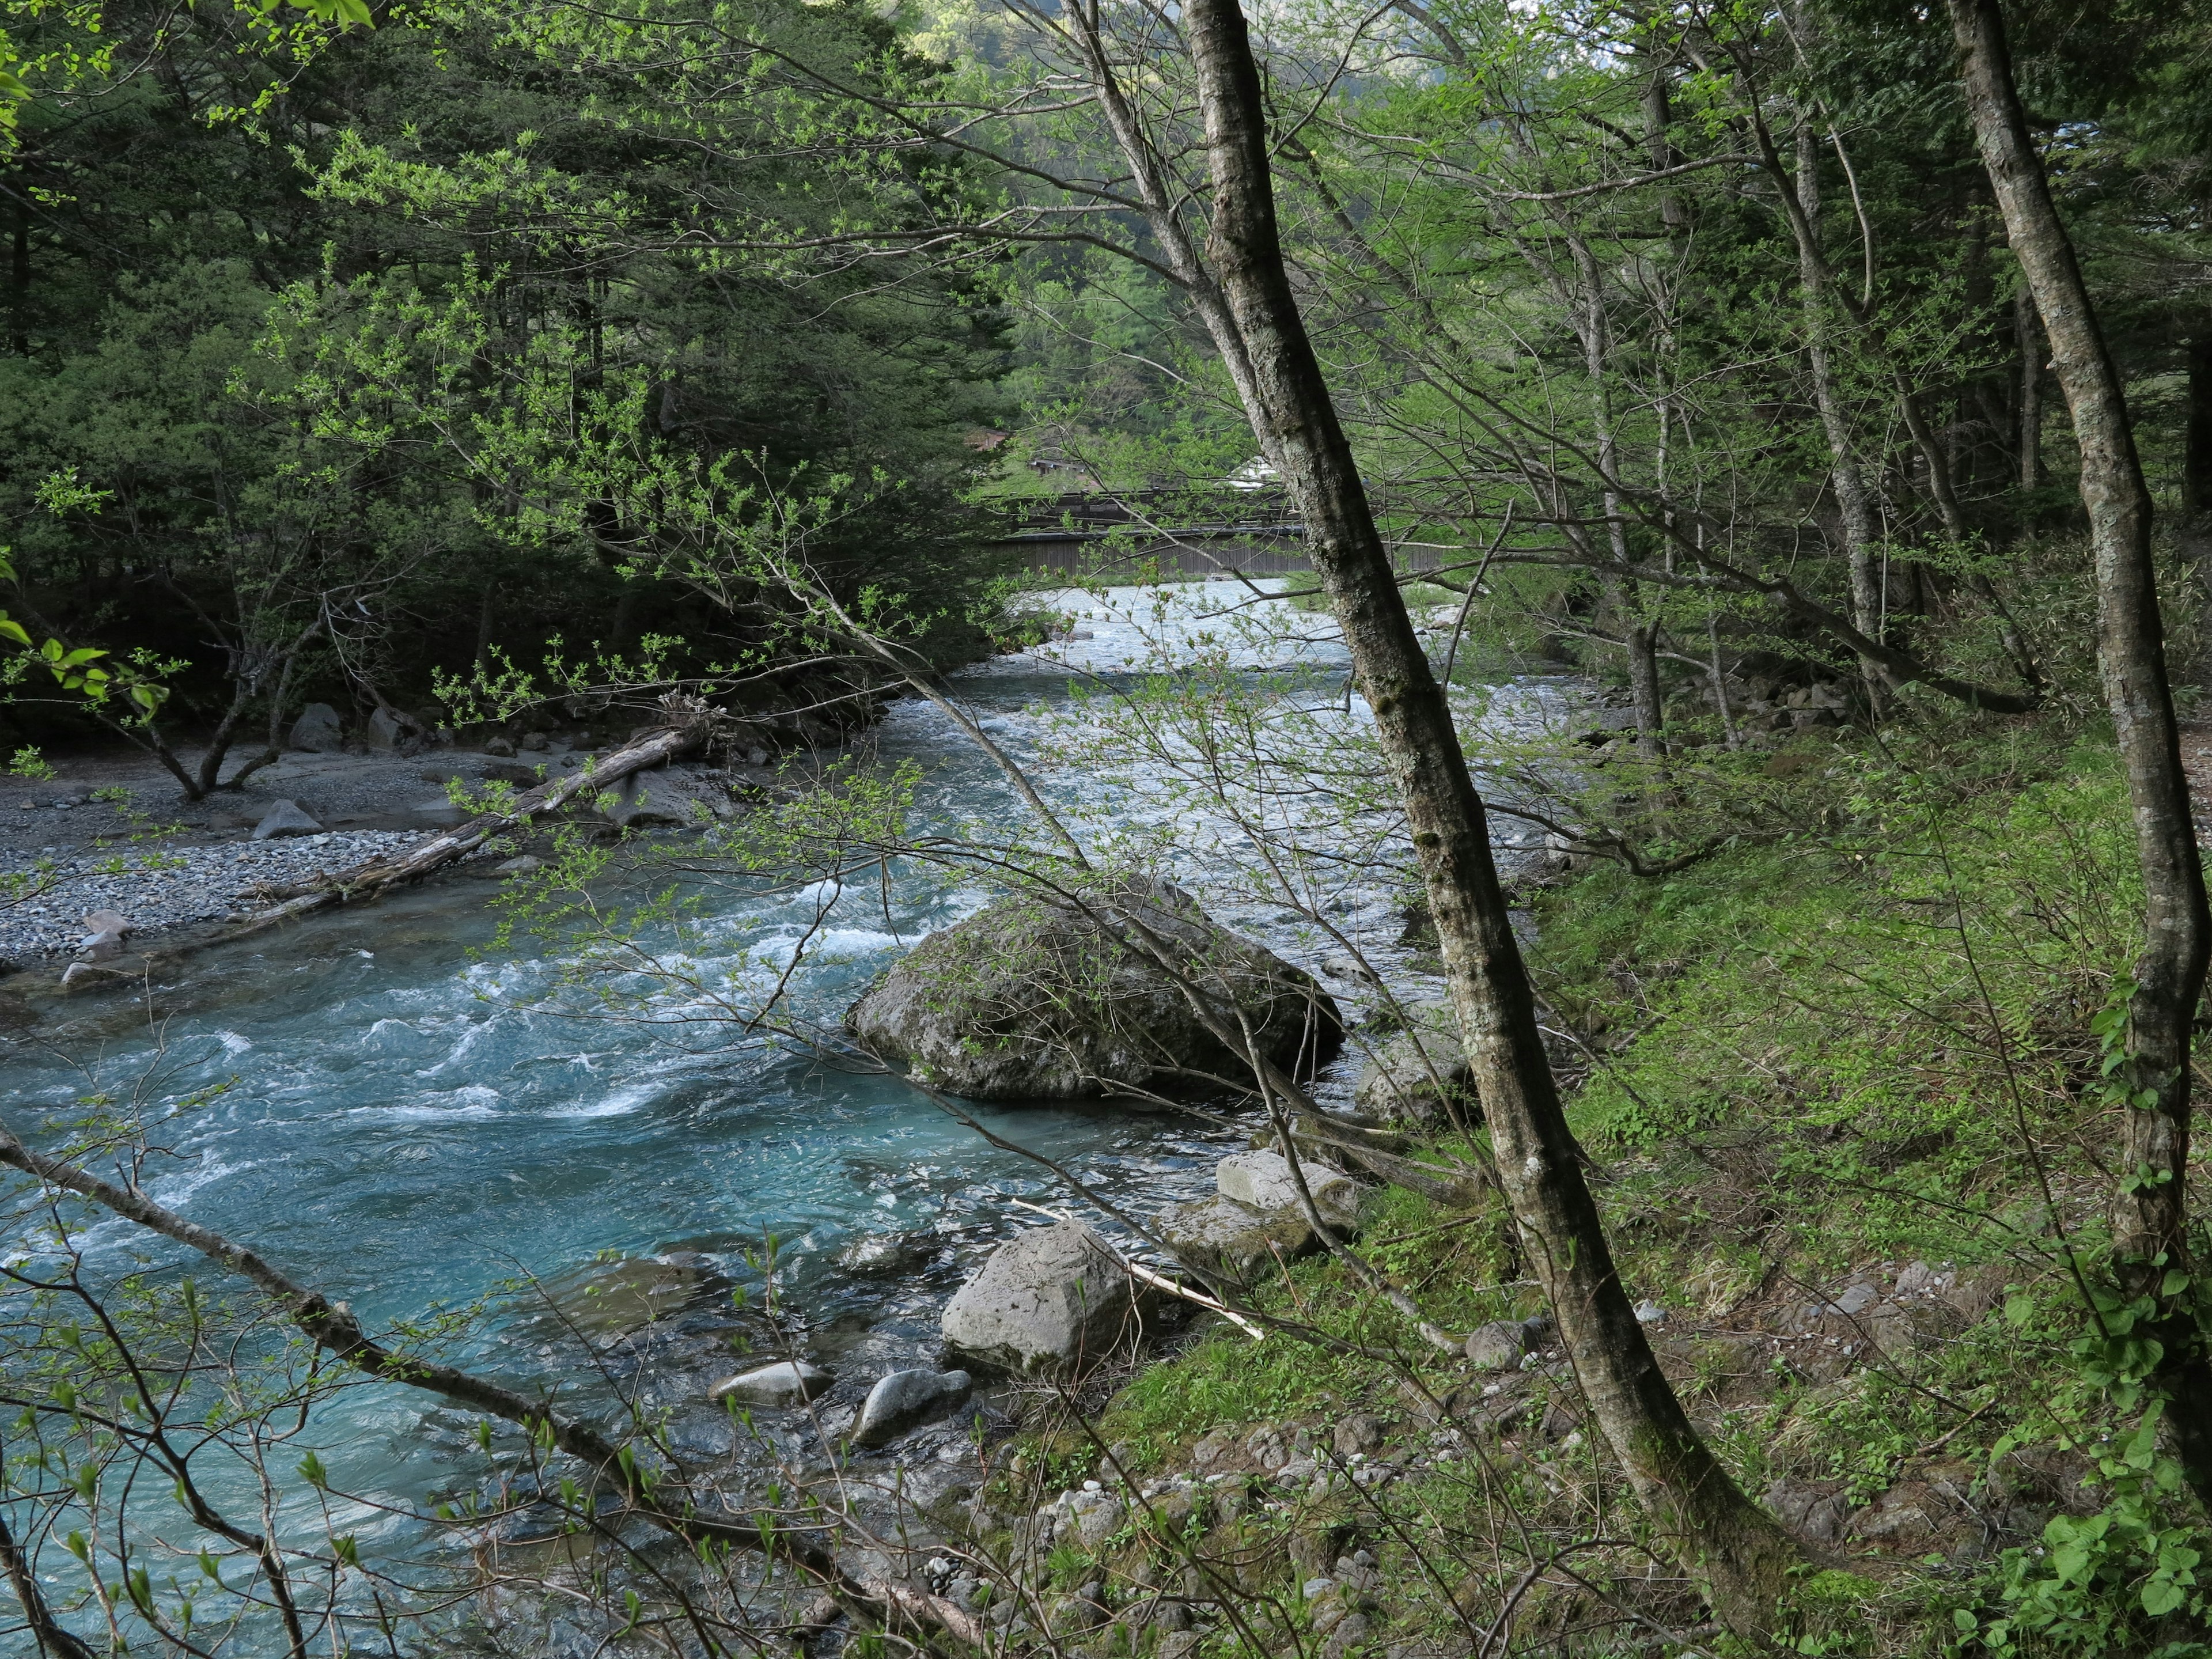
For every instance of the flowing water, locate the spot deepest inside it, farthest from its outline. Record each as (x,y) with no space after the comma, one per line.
(390,1127)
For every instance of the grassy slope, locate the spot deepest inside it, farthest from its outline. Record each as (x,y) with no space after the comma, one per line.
(1822,1060)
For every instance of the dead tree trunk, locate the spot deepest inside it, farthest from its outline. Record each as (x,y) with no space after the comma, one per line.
(2150,1222)
(366,880)
(1737,1553)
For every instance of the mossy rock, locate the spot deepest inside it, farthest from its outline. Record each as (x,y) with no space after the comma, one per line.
(1038,998)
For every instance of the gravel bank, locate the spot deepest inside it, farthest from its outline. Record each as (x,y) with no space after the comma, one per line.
(158,887)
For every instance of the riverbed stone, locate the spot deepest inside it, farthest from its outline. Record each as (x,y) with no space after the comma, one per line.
(906,1399)
(1263,1182)
(779,1386)
(645,800)
(1039,998)
(1051,1300)
(285,817)
(1233,1240)
(1421,1075)
(317,732)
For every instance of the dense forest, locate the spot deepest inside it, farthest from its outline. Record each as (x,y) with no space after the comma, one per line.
(1564,644)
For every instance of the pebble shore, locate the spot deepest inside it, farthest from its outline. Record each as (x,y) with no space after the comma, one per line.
(154,887)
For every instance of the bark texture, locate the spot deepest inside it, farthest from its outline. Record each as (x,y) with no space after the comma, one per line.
(1738,1553)
(1854,499)
(2150,1209)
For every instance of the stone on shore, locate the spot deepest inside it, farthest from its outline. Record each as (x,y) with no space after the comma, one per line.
(779,1386)
(1496,1346)
(285,817)
(388,728)
(1400,1083)
(1043,998)
(905,1399)
(1226,1238)
(104,933)
(317,732)
(1053,1300)
(1263,1182)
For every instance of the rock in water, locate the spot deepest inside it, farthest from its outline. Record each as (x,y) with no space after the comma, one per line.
(1400,1083)
(904,1400)
(317,729)
(786,1384)
(1039,998)
(285,817)
(1261,1182)
(643,800)
(1052,1300)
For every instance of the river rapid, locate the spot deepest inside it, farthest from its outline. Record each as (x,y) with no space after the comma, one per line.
(368,1100)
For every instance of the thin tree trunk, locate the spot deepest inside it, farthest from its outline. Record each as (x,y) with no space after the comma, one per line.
(19,279)
(2150,1222)
(1854,500)
(2030,338)
(1738,1553)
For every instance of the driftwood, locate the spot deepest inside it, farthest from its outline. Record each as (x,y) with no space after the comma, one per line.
(366,880)
(1453,1185)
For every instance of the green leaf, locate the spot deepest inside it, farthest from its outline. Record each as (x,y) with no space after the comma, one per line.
(2162,1595)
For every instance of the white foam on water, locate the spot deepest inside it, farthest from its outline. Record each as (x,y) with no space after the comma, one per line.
(473,1036)
(621,1104)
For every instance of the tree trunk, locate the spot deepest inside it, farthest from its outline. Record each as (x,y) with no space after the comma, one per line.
(1738,1553)
(2030,339)
(1854,500)
(2149,1233)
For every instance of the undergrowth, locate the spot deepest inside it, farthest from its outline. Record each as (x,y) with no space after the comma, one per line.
(1818,1062)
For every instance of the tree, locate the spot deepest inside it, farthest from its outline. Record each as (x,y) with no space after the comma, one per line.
(2153,1326)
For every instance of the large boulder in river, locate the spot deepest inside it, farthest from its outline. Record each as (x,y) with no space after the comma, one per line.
(1046,998)
(1051,1301)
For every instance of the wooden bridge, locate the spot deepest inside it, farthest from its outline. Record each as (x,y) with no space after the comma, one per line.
(1190,532)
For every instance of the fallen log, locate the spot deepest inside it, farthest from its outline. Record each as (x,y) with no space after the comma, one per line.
(1455,1186)
(374,877)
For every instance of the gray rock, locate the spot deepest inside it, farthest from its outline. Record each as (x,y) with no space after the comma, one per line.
(316,730)
(1496,1346)
(1051,1300)
(104,933)
(1400,1083)
(786,1384)
(645,800)
(525,865)
(1223,1237)
(1858,1297)
(1097,1517)
(905,1399)
(500,746)
(1263,1182)
(1038,999)
(285,817)
(386,729)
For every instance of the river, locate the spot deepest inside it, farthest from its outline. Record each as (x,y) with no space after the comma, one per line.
(375,1109)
